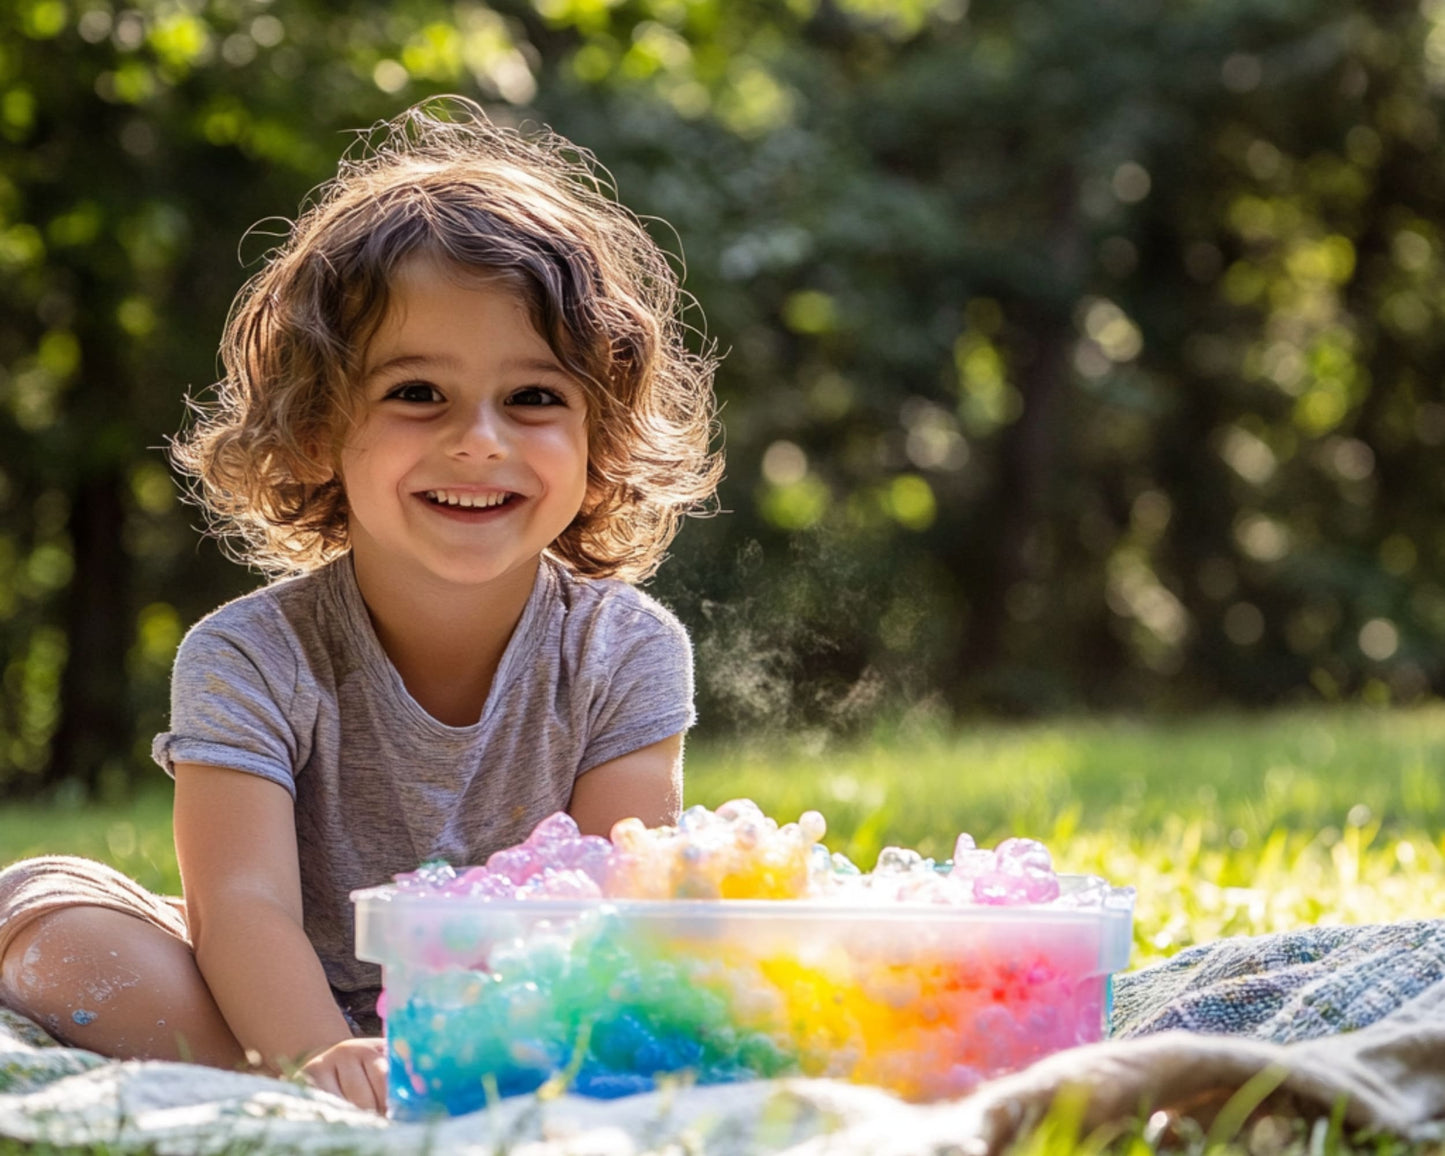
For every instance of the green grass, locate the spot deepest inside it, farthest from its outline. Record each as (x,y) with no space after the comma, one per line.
(1229,825)
(134,836)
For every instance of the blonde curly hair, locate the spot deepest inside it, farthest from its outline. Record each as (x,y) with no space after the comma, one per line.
(534,210)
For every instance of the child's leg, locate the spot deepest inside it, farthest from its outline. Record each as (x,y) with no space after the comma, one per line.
(114,984)
(102,964)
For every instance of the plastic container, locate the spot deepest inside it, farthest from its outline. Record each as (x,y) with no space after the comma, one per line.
(495,998)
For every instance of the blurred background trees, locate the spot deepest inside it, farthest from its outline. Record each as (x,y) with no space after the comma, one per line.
(1080,354)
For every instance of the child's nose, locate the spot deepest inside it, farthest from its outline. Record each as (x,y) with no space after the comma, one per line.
(478,432)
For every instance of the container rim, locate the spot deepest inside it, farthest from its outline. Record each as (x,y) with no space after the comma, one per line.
(1119,904)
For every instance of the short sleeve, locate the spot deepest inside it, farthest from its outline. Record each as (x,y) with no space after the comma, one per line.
(646,689)
(229,707)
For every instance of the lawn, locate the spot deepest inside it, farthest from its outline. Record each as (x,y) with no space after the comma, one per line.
(1226,825)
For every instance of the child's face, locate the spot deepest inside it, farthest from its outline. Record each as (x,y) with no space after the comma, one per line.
(470,456)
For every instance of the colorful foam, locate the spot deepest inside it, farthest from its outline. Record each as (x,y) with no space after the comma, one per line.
(730,948)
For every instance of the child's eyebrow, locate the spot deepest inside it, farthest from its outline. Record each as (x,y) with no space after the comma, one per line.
(407,361)
(536,365)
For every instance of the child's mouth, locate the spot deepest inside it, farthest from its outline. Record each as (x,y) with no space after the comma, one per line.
(457,500)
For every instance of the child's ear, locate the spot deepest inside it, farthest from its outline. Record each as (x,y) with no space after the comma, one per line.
(315,465)
(593,497)
(323,448)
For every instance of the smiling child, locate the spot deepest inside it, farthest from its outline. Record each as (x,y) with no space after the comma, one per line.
(458,421)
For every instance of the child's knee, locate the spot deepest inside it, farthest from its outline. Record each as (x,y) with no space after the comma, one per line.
(63,918)
(83,949)
(117,984)
(47,953)
(29,969)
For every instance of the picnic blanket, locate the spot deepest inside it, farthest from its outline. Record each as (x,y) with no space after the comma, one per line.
(1318,1018)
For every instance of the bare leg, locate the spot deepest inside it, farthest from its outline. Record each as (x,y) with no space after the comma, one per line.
(114,984)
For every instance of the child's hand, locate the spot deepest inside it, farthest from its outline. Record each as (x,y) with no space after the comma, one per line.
(355,1070)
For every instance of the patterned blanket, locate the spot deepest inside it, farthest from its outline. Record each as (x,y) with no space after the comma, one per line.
(1302,985)
(1352,1013)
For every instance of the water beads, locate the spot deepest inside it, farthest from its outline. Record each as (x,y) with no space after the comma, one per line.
(608,963)
(737,852)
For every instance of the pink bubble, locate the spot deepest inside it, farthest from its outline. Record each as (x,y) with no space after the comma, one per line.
(710,853)
(589,854)
(488,885)
(971,863)
(1024,853)
(555,828)
(999,889)
(517,863)
(552,883)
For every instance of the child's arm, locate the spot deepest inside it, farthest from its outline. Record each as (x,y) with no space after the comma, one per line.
(646,784)
(236,843)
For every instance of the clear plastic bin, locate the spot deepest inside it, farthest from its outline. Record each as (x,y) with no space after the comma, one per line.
(493,998)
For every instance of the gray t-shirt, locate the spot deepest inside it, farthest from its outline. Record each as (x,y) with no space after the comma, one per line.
(290,683)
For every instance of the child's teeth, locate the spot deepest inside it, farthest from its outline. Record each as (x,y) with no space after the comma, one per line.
(466,501)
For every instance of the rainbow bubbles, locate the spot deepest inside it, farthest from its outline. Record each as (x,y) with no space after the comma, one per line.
(735,852)
(730,947)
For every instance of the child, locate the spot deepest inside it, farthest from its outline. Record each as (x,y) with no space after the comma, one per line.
(458,418)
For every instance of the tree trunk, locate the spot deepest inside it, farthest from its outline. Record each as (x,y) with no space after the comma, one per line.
(1028,447)
(1026,461)
(94,725)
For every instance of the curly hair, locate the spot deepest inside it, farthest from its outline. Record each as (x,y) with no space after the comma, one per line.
(441,179)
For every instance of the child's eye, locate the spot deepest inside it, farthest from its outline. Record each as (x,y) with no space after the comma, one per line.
(415,391)
(536,395)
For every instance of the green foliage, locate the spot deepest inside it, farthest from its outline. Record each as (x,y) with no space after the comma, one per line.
(137,145)
(1079,354)
(1105,286)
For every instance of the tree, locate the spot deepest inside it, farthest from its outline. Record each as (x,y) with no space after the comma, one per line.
(137,147)
(1078,353)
